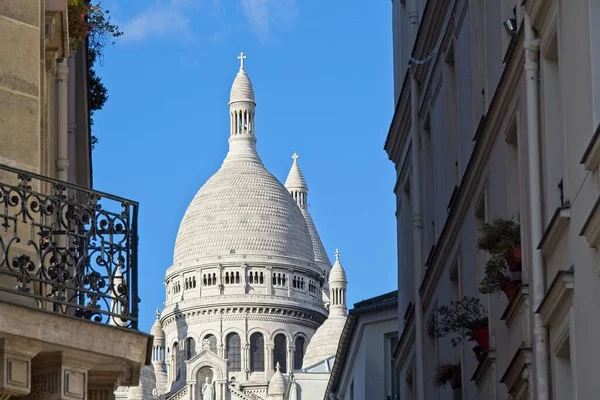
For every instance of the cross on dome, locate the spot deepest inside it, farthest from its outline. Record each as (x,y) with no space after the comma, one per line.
(242,57)
(337,255)
(295,157)
(157,313)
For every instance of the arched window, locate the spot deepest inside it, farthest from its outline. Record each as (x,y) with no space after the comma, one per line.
(280,352)
(257,352)
(250,278)
(190,348)
(176,361)
(234,352)
(226,277)
(237,277)
(212,342)
(262,278)
(299,352)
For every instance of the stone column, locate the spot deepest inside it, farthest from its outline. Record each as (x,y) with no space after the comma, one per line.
(269,280)
(269,358)
(289,358)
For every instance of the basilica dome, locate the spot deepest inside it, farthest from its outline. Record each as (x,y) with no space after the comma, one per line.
(243,209)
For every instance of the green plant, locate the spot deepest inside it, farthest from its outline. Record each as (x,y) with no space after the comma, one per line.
(460,319)
(497,275)
(498,238)
(91,21)
(447,373)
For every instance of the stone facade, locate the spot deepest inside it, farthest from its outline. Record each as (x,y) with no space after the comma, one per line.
(52,344)
(497,116)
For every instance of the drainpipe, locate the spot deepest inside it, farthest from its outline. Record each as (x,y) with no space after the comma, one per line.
(540,334)
(62,159)
(417,219)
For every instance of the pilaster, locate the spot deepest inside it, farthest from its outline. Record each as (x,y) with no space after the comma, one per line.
(63,376)
(15,366)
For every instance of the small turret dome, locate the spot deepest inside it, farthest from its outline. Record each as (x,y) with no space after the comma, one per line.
(156,329)
(241,90)
(277,382)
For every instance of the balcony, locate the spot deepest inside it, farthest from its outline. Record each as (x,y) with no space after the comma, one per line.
(68,289)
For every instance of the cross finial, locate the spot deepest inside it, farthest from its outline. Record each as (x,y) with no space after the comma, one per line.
(242,57)
(337,255)
(295,157)
(277,367)
(157,313)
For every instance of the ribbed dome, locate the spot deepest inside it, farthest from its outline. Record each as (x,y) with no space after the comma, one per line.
(324,342)
(295,178)
(277,382)
(320,253)
(157,330)
(242,89)
(337,274)
(243,209)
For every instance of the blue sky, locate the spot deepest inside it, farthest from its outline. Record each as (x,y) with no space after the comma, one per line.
(322,73)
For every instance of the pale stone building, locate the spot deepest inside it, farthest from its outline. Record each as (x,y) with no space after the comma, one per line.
(364,367)
(251,296)
(68,253)
(497,116)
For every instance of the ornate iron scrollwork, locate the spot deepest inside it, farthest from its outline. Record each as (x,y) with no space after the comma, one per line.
(71,249)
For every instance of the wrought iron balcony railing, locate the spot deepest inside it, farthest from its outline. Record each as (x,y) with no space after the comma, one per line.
(67,249)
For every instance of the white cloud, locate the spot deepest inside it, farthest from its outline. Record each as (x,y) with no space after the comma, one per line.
(264,14)
(159,20)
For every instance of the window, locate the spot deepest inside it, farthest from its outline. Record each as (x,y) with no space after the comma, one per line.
(176,362)
(299,352)
(280,352)
(211,341)
(257,352)
(190,348)
(234,352)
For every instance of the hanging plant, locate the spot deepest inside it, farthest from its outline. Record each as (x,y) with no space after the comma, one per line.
(501,238)
(464,319)
(91,21)
(448,374)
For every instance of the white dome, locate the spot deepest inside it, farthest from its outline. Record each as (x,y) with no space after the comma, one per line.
(337,274)
(243,209)
(277,382)
(324,342)
(241,90)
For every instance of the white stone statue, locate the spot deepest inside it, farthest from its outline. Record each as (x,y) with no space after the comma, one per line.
(208,390)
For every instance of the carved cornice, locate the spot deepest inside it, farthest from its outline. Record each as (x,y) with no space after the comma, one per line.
(484,366)
(518,306)
(558,299)
(517,373)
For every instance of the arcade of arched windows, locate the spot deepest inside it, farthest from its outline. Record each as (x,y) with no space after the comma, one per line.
(176,287)
(256,277)
(232,277)
(279,279)
(253,276)
(209,279)
(280,346)
(298,282)
(190,283)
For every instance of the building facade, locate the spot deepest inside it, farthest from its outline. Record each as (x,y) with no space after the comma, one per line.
(68,253)
(497,121)
(251,295)
(364,367)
